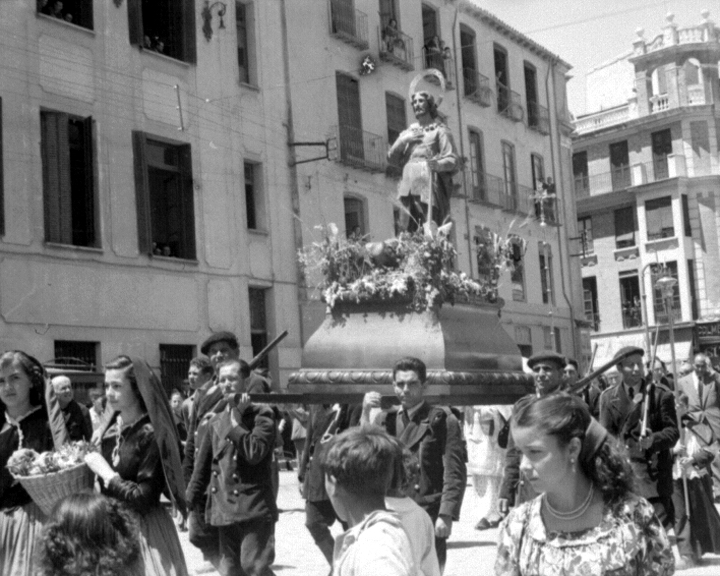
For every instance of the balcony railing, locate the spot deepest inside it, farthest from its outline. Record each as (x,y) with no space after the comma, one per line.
(659,103)
(662,317)
(599,120)
(395,46)
(661,168)
(631,315)
(441,61)
(476,87)
(348,24)
(496,191)
(538,118)
(696,95)
(509,103)
(360,149)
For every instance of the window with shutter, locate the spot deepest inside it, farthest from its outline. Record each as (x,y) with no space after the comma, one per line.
(625,227)
(477,165)
(78,12)
(164,198)
(68,179)
(163,26)
(659,218)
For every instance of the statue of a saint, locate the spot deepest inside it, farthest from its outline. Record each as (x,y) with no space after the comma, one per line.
(426,152)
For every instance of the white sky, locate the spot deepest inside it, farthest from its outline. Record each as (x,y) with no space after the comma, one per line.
(586,33)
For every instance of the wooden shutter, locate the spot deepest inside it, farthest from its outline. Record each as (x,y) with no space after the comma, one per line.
(2,177)
(187,202)
(135,22)
(189,48)
(91,179)
(56,177)
(142,193)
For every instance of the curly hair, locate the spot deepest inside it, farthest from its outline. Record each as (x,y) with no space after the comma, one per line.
(32,368)
(566,417)
(90,535)
(125,364)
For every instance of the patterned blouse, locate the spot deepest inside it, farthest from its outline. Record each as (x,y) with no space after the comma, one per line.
(631,543)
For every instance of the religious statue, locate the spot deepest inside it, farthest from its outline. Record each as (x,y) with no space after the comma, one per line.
(427,154)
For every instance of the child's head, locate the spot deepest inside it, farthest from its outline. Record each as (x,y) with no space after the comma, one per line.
(361,461)
(176,400)
(89,534)
(406,473)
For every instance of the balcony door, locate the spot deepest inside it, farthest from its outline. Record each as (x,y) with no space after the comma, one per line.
(630,300)
(620,165)
(349,118)
(469,61)
(343,16)
(661,149)
(531,94)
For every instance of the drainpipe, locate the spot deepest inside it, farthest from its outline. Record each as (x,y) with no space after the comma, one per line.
(462,145)
(294,189)
(573,329)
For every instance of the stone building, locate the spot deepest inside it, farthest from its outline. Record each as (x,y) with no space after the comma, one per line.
(146,194)
(505,104)
(647,182)
(149,194)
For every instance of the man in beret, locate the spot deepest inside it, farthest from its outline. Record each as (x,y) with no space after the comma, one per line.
(547,370)
(218,347)
(622,410)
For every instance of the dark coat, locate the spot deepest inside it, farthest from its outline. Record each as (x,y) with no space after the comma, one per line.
(233,467)
(206,401)
(322,424)
(78,421)
(624,421)
(434,435)
(512,484)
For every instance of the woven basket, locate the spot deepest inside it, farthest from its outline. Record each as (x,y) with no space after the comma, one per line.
(47,489)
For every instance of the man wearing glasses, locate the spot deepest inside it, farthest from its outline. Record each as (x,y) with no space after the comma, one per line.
(434,436)
(548,373)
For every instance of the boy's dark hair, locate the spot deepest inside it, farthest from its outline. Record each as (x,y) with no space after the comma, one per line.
(203,364)
(411,363)
(406,472)
(362,460)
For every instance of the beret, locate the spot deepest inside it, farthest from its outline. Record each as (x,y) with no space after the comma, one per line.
(228,337)
(626,351)
(547,357)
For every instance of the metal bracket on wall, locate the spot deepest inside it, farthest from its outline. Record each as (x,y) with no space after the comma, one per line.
(330,145)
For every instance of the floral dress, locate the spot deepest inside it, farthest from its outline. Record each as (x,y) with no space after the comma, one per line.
(629,543)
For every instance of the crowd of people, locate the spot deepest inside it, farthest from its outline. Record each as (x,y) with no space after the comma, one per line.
(578,481)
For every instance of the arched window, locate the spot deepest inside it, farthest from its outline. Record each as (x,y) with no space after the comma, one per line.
(692,72)
(658,81)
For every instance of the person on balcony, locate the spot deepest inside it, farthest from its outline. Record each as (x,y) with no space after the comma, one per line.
(391,36)
(427,154)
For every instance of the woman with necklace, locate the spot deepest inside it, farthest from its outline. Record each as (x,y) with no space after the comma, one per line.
(23,424)
(587,519)
(139,458)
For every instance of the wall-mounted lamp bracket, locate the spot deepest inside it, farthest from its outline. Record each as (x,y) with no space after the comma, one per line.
(207,17)
(330,145)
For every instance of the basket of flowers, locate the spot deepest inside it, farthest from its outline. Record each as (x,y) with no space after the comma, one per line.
(50,476)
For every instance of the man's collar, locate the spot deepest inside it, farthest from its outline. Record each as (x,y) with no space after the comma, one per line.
(414,410)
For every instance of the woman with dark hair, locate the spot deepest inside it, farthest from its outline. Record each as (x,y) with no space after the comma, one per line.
(139,458)
(587,519)
(23,424)
(90,535)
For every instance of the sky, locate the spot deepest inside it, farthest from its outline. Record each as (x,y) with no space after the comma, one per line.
(587,33)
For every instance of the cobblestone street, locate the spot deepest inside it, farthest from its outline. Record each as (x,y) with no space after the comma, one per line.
(469,552)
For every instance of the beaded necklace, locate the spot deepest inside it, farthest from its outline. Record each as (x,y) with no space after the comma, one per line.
(119,438)
(572,514)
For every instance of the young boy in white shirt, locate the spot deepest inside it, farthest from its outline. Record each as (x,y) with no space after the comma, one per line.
(359,466)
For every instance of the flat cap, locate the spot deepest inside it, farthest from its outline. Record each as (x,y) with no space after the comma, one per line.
(627,351)
(228,337)
(558,359)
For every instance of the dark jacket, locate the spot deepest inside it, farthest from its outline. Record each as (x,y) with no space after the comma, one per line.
(205,403)
(78,421)
(323,425)
(233,467)
(512,484)
(435,437)
(624,421)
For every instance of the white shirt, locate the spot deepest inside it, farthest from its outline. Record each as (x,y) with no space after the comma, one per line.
(421,532)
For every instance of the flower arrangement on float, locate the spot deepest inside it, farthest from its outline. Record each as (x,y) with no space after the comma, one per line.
(413,267)
(50,476)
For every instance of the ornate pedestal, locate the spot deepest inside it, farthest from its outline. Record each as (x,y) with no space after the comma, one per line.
(470,357)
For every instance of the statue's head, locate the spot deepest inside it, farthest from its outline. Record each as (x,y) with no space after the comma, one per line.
(424,103)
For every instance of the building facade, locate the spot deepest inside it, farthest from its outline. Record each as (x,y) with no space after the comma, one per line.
(145,189)
(505,104)
(647,182)
(154,178)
